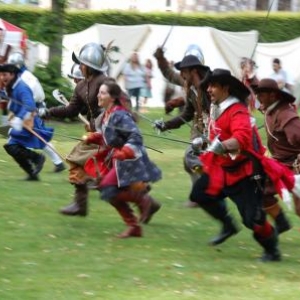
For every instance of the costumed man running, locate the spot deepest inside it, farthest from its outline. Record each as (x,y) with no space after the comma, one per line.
(234,164)
(93,66)
(197,103)
(122,161)
(32,81)
(282,125)
(23,121)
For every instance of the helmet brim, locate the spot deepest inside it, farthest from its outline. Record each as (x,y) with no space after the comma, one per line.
(75,58)
(104,68)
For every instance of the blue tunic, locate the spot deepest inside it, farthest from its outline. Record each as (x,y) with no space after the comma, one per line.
(21,104)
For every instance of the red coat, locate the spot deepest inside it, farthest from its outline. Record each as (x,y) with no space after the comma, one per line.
(234,122)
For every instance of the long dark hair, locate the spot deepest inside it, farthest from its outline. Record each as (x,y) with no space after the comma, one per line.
(113,89)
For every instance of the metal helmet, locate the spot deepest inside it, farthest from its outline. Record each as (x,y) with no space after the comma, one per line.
(93,56)
(195,50)
(16,59)
(75,72)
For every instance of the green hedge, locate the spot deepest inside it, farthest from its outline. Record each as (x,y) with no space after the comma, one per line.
(40,26)
(279,26)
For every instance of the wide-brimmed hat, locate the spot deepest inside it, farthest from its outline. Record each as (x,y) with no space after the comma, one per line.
(224,77)
(191,61)
(11,68)
(270,85)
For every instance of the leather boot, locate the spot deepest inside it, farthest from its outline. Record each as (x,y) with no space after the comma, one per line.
(270,246)
(148,206)
(37,160)
(282,224)
(123,208)
(229,229)
(22,157)
(80,205)
(218,210)
(273,209)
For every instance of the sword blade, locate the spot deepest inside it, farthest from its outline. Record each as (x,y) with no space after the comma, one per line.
(167,37)
(151,135)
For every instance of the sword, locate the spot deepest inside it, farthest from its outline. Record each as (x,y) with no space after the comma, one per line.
(63,135)
(62,99)
(264,27)
(43,140)
(148,119)
(151,135)
(167,37)
(171,29)
(189,125)
(81,140)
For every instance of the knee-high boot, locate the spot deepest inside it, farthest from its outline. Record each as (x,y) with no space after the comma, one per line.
(147,206)
(218,211)
(120,204)
(79,206)
(273,209)
(26,159)
(270,246)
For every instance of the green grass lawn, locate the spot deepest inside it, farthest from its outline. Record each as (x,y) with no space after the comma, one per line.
(44,255)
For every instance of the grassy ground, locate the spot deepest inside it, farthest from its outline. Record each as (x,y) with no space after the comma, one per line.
(45,255)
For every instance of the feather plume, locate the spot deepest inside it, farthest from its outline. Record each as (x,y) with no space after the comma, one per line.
(109,49)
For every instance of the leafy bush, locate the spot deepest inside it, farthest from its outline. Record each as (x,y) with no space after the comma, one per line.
(49,81)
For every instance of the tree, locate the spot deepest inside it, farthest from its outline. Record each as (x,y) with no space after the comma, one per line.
(57,23)
(50,31)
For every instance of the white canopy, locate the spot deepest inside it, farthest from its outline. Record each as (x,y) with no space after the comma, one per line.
(222,49)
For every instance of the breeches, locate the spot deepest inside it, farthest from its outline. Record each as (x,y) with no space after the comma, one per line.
(248,198)
(245,194)
(109,186)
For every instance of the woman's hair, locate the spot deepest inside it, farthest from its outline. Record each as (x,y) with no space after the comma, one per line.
(113,89)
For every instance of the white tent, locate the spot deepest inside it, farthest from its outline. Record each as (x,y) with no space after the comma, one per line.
(222,49)
(14,35)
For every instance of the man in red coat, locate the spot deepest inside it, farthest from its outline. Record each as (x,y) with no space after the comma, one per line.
(229,166)
(282,125)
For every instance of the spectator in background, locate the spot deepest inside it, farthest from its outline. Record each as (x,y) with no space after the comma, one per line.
(146,92)
(281,76)
(135,78)
(249,79)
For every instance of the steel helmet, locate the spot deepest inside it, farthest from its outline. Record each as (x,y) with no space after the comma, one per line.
(93,56)
(16,59)
(195,50)
(75,72)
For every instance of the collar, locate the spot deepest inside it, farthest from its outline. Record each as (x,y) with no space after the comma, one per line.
(218,109)
(16,82)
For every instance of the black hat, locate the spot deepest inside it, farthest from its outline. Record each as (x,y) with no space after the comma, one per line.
(270,85)
(223,76)
(191,61)
(9,68)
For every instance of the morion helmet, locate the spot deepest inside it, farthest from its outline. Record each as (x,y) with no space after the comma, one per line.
(75,72)
(195,50)
(93,56)
(16,59)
